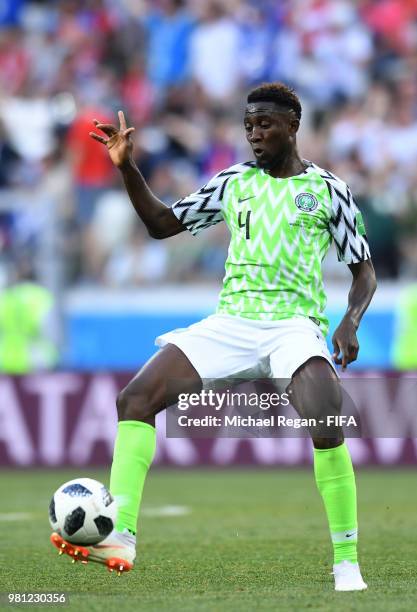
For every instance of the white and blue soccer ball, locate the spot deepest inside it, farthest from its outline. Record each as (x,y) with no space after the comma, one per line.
(82,511)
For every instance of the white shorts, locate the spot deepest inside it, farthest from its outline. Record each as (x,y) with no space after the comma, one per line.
(224,346)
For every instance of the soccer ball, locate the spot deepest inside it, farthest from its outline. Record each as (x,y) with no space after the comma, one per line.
(82,511)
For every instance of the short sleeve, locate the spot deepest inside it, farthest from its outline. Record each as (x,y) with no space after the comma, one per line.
(346,224)
(205,207)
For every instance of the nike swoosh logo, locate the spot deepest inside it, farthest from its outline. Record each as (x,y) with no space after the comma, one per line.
(244,199)
(349,535)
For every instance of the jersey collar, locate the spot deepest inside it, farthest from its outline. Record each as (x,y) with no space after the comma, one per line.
(309,168)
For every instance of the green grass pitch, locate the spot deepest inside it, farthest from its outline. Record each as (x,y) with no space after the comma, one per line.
(251,540)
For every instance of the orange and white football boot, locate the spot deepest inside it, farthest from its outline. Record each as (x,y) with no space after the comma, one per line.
(117,552)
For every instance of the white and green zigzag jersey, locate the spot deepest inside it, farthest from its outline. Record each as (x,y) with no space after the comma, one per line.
(281,229)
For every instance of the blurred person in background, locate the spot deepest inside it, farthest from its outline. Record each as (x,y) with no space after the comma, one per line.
(215,52)
(9,159)
(137,91)
(26,343)
(168,28)
(92,176)
(405,340)
(220,148)
(14,61)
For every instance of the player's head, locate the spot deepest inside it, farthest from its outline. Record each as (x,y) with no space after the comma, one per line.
(272,118)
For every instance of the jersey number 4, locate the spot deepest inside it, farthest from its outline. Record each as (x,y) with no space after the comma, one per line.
(245,223)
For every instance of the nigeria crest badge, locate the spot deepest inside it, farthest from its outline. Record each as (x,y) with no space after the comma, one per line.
(306,201)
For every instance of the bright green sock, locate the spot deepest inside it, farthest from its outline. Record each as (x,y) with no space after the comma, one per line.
(336,482)
(134,450)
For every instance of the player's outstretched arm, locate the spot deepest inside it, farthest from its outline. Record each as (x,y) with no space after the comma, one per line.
(345,342)
(158,218)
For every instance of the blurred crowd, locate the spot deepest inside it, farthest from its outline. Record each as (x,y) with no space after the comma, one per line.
(181,70)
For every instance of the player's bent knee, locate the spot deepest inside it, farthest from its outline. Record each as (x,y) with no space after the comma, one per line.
(135,405)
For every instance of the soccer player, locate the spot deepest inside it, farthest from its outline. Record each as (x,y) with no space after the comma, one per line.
(283,213)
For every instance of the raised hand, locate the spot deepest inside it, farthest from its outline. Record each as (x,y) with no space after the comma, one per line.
(118,141)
